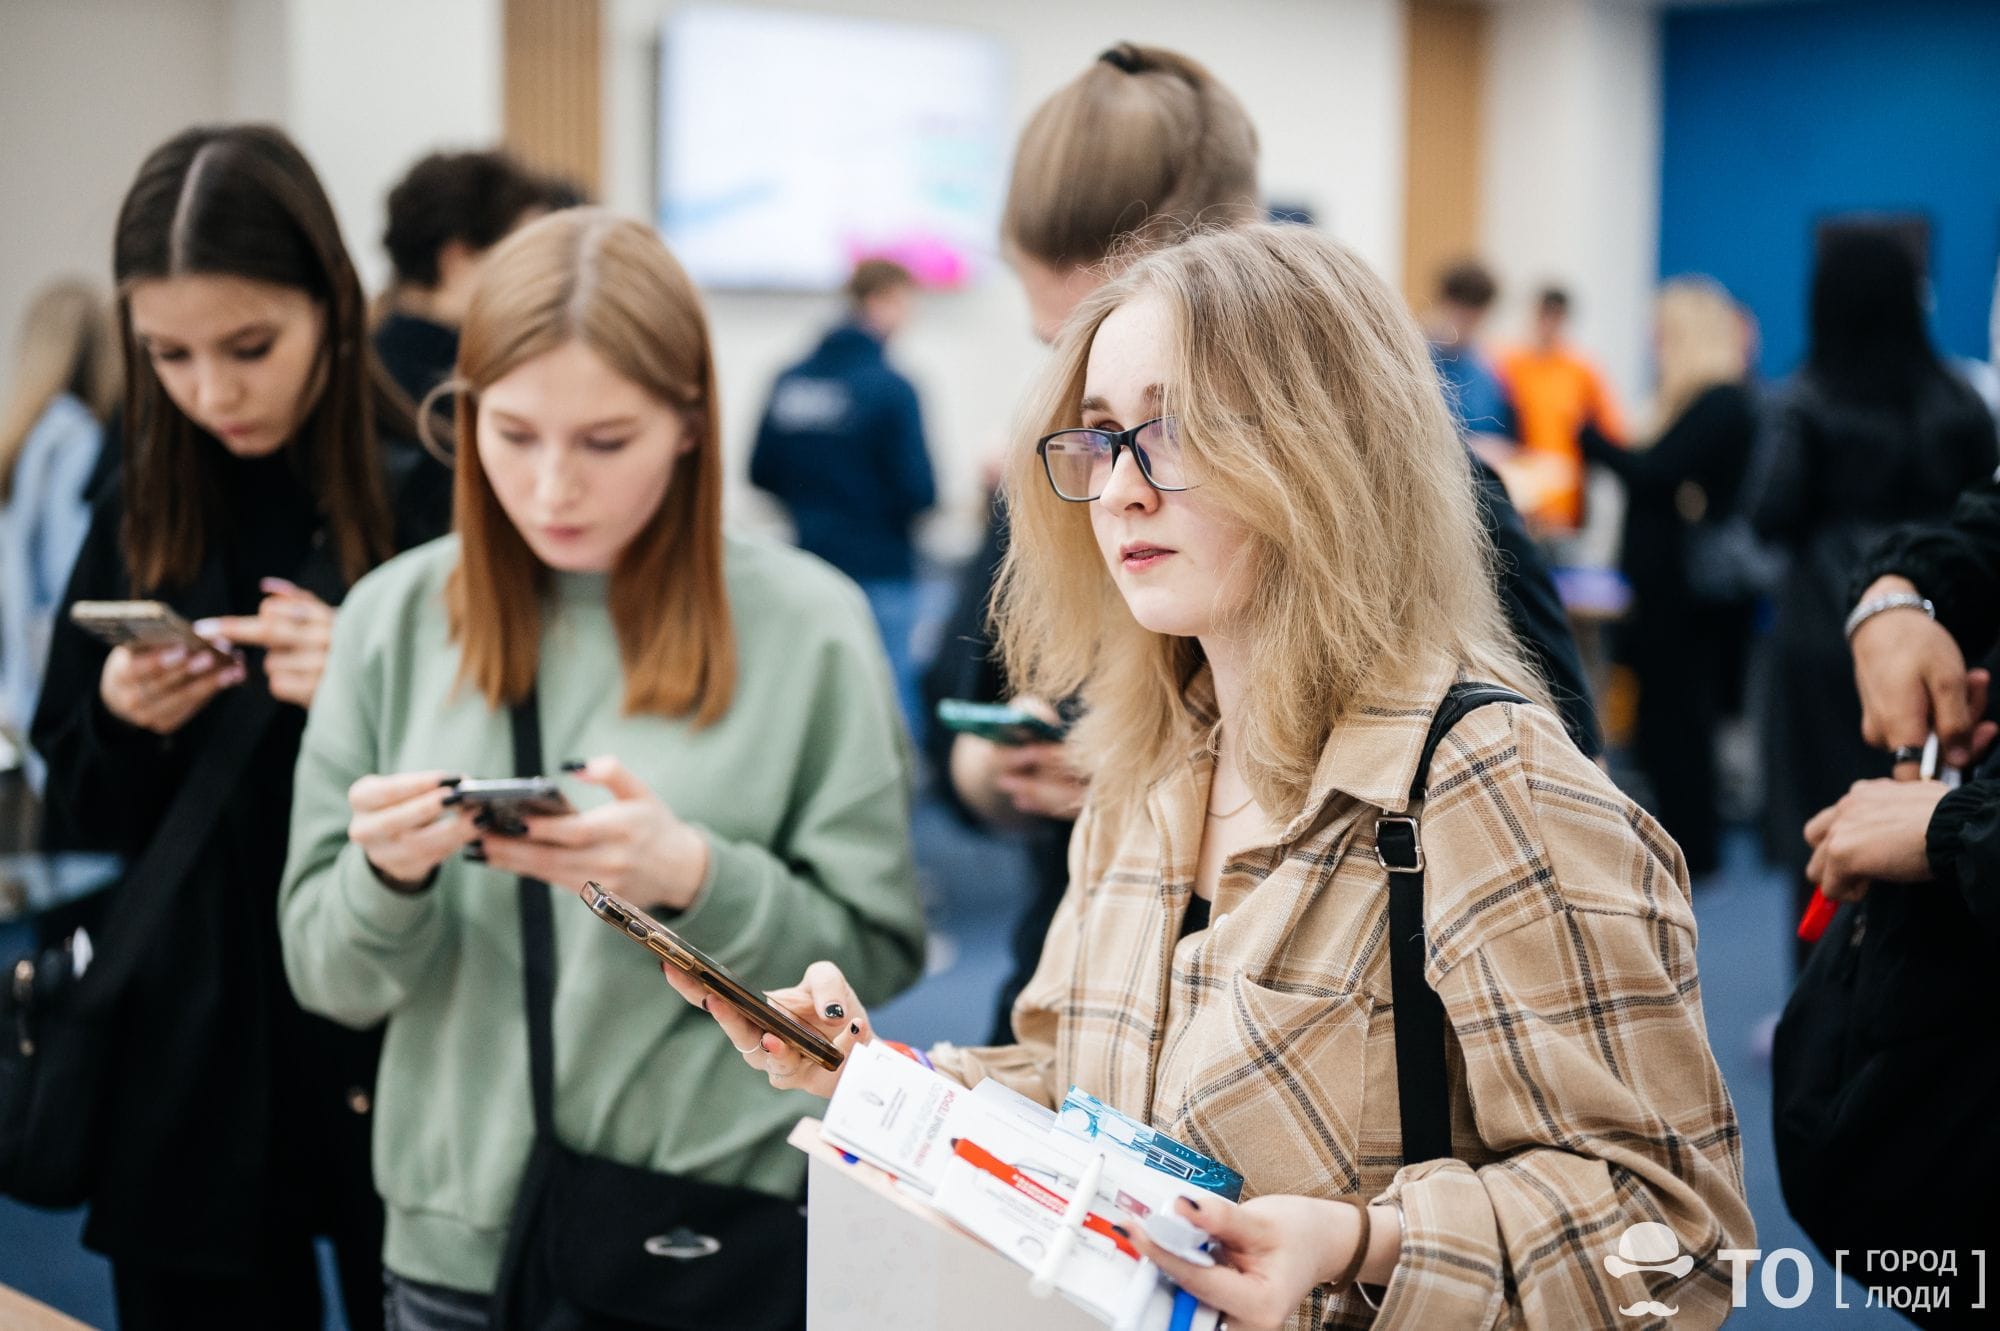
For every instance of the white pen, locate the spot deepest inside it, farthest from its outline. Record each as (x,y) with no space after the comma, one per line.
(1044,1282)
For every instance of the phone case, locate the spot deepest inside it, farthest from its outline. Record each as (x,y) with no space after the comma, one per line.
(642,928)
(1001,723)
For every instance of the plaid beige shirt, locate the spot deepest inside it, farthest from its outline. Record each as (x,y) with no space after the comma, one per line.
(1584,1095)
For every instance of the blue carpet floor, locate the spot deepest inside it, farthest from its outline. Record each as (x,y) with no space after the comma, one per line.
(971,883)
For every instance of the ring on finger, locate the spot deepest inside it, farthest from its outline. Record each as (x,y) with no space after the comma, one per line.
(753,1049)
(1906,753)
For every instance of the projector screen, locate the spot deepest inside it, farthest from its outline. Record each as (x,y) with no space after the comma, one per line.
(793,145)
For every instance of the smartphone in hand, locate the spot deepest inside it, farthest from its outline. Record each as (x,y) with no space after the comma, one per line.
(663,942)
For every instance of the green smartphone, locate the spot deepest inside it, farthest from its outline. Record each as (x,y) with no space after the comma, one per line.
(1002,723)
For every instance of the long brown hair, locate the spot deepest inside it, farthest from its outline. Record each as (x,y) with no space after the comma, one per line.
(585,276)
(1140,147)
(1310,413)
(242,201)
(67,346)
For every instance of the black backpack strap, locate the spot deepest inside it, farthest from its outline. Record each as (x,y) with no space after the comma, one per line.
(538,947)
(1421,1090)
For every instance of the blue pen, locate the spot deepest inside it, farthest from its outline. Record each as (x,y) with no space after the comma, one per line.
(1186,1306)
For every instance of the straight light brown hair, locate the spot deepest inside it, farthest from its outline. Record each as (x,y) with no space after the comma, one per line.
(1137,149)
(68,345)
(242,201)
(1311,419)
(585,276)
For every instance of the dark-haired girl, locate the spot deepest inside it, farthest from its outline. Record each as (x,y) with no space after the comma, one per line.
(256,488)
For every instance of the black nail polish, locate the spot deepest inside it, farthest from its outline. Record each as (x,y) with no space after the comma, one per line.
(574,765)
(854,1029)
(475,852)
(834,1012)
(483,821)
(1121,1231)
(704,1003)
(451,780)
(453,798)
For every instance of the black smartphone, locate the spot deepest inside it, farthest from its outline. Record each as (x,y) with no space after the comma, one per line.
(758,1010)
(503,802)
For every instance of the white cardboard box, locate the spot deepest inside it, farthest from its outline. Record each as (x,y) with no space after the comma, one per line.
(880,1261)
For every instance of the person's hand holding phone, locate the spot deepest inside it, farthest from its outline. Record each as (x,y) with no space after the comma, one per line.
(635,846)
(160,689)
(822,1000)
(405,826)
(1007,782)
(295,629)
(1913,681)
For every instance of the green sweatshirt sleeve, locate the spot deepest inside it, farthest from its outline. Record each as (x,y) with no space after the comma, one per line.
(353,948)
(839,884)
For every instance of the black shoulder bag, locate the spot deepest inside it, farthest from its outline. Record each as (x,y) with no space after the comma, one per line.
(613,1247)
(1422,1093)
(1885,1091)
(57,1025)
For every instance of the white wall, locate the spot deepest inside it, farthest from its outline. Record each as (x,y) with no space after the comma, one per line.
(1571,180)
(1571,186)
(375,84)
(87,89)
(1322,80)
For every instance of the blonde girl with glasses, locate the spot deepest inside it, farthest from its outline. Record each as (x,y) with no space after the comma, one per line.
(1261,653)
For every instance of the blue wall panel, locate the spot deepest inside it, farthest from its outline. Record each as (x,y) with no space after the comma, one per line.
(1776,116)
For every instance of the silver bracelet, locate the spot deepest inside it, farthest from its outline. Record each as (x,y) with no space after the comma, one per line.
(1867,610)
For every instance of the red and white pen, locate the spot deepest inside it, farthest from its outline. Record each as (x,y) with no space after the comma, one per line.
(978,1156)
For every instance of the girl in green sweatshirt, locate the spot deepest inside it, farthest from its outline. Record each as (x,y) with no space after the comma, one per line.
(738,765)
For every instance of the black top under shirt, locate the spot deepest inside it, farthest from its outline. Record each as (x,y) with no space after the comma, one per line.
(1196,917)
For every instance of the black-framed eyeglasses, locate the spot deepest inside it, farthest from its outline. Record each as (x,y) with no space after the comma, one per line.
(1079,462)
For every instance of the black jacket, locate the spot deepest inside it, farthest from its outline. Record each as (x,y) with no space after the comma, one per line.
(234,1122)
(1957,565)
(1707,447)
(1832,479)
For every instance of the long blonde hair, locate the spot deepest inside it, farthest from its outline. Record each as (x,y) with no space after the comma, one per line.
(1309,411)
(586,276)
(67,346)
(1703,342)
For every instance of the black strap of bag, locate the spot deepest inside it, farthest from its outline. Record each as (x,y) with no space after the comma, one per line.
(614,1247)
(538,949)
(1423,1095)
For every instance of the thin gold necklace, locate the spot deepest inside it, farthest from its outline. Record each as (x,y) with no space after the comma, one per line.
(1248,800)
(1233,812)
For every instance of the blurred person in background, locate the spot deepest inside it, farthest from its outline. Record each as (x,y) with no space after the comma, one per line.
(1872,431)
(730,701)
(1557,392)
(1473,387)
(1184,155)
(67,377)
(1685,636)
(841,446)
(445,213)
(257,488)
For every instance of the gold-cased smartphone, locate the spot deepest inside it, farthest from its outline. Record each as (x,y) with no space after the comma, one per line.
(142,624)
(759,1011)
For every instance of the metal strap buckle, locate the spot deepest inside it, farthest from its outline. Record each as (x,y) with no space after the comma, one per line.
(1409,846)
